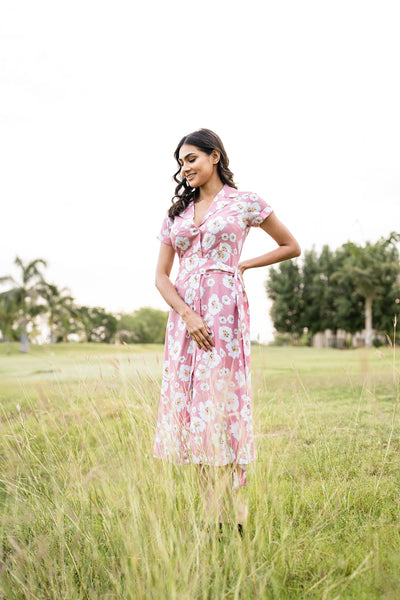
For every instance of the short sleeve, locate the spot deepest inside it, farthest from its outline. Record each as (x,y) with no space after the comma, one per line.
(258,210)
(165,233)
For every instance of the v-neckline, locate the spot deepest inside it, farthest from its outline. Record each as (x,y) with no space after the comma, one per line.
(208,209)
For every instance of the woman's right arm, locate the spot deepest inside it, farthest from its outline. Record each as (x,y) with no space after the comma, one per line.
(195,325)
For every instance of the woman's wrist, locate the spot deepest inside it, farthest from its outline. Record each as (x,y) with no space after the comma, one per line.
(185,312)
(243,266)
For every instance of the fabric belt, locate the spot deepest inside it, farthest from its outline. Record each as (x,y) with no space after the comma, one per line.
(241,296)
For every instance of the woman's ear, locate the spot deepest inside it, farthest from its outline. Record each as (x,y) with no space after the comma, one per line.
(215,155)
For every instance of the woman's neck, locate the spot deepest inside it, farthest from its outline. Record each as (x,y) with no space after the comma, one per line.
(209,190)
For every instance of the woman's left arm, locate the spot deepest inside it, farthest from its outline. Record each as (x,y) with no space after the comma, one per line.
(288,247)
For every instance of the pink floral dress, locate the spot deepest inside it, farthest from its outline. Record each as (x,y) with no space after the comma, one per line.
(204,414)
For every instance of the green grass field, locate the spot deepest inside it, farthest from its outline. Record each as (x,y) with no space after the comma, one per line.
(88,513)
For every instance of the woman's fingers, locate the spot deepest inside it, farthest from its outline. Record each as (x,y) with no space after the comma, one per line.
(199,331)
(203,338)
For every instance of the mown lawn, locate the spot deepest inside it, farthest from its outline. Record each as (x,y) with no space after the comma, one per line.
(87,512)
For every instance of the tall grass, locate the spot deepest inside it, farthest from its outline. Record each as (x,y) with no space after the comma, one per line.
(87,512)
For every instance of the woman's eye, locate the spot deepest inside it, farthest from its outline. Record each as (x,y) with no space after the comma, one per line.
(191,160)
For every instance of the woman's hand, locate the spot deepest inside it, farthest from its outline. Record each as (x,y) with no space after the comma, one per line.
(242,268)
(198,330)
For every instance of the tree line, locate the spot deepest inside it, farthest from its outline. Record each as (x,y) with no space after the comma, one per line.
(25,299)
(353,288)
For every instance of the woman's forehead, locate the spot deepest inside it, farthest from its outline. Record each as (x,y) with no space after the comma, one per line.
(187,149)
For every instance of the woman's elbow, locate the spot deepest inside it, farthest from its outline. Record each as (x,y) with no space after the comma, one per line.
(296,250)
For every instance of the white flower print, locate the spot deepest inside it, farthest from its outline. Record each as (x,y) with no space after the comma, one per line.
(217,225)
(204,387)
(197,425)
(231,319)
(175,350)
(232,237)
(225,334)
(240,378)
(245,413)
(228,281)
(207,411)
(220,406)
(211,358)
(189,295)
(226,300)
(182,242)
(233,348)
(179,401)
(202,371)
(242,220)
(222,253)
(208,241)
(222,320)
(214,305)
(235,430)
(210,281)
(191,262)
(194,281)
(166,369)
(232,401)
(184,372)
(221,385)
(225,237)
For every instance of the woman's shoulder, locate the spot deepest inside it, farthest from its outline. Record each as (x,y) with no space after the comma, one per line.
(242,194)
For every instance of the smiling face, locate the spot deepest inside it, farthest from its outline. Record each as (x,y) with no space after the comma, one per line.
(198,167)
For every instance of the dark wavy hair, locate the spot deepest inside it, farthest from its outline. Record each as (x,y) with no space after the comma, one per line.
(207,141)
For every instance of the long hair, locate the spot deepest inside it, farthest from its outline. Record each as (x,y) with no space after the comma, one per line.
(207,141)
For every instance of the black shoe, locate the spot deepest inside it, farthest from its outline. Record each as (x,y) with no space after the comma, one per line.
(240,529)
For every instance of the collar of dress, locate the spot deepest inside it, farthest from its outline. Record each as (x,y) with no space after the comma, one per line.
(221,199)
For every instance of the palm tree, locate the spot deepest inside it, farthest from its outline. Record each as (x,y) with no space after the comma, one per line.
(8,314)
(369,268)
(60,309)
(24,295)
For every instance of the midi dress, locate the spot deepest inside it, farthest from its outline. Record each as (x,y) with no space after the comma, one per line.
(204,415)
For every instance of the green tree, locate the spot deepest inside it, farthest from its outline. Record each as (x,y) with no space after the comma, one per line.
(284,287)
(370,269)
(60,310)
(8,316)
(146,325)
(25,295)
(97,324)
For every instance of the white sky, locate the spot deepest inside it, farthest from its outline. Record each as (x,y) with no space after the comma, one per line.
(94,97)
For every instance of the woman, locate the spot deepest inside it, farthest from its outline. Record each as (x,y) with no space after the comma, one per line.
(205,411)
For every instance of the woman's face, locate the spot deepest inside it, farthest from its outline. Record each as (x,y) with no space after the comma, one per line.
(197,166)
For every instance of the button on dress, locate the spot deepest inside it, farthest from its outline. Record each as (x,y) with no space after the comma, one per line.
(204,415)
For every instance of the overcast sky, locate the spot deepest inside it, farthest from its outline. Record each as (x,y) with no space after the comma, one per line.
(94,97)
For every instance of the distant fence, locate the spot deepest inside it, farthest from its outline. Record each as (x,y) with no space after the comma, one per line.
(343,339)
